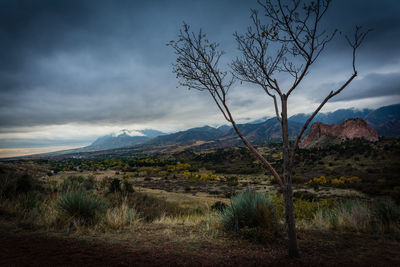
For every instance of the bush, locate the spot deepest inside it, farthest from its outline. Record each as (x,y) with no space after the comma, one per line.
(76,183)
(127,187)
(386,212)
(348,215)
(304,195)
(395,194)
(24,184)
(251,210)
(219,206)
(81,205)
(30,200)
(7,186)
(11,186)
(71,183)
(89,183)
(115,185)
(151,208)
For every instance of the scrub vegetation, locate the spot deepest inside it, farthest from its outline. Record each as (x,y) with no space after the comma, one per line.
(181,199)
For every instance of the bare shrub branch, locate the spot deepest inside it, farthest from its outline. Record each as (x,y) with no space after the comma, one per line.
(197,68)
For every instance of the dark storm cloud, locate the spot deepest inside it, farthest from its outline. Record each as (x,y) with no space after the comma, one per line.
(91,61)
(372,85)
(106,61)
(381,45)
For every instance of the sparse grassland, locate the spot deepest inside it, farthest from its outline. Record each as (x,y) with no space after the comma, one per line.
(185,205)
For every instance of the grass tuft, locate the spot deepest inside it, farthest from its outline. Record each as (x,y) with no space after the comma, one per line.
(81,205)
(250,209)
(121,216)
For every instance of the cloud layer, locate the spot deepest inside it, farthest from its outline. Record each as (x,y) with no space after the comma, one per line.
(91,65)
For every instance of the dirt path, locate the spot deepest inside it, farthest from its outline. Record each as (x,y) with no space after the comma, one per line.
(166,245)
(33,249)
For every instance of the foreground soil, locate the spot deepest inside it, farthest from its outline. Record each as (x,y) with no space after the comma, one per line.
(153,247)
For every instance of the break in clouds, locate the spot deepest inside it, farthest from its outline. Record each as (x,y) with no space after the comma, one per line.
(87,68)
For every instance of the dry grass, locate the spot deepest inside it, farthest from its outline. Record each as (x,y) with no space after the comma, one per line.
(122,217)
(354,216)
(50,216)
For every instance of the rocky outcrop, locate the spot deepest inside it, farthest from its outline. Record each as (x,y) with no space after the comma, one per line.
(351,128)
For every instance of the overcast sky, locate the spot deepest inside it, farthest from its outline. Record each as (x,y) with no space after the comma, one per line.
(74,70)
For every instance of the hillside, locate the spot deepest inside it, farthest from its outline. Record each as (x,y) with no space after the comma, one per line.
(205,133)
(321,134)
(260,133)
(384,120)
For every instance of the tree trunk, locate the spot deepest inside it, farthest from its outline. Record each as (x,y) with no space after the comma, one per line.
(287,189)
(290,222)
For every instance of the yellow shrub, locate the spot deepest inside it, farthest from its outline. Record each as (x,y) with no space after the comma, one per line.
(212,176)
(182,166)
(204,177)
(336,181)
(354,179)
(187,174)
(317,180)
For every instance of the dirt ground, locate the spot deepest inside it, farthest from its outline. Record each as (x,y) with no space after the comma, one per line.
(151,247)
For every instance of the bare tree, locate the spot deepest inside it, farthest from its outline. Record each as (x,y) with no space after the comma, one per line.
(284,48)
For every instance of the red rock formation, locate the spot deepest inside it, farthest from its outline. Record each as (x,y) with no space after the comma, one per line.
(351,128)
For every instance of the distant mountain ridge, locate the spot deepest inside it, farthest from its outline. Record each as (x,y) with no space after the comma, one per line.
(384,120)
(259,133)
(205,133)
(122,139)
(335,117)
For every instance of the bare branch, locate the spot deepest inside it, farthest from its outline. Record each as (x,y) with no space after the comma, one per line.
(296,27)
(306,124)
(197,68)
(287,44)
(358,39)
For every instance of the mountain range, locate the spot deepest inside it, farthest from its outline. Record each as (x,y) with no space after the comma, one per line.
(385,121)
(123,138)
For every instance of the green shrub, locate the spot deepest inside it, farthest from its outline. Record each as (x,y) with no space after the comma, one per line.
(7,186)
(395,194)
(304,209)
(219,206)
(127,187)
(75,183)
(11,186)
(72,183)
(89,183)
(304,195)
(81,205)
(24,184)
(30,200)
(250,209)
(151,208)
(386,212)
(115,185)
